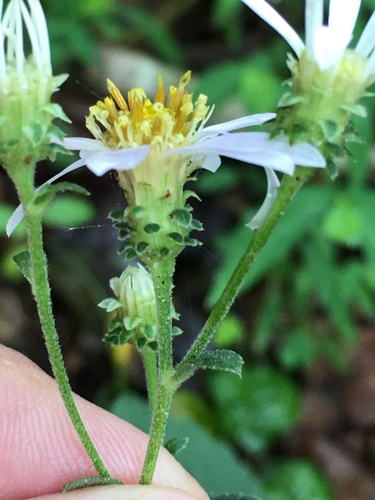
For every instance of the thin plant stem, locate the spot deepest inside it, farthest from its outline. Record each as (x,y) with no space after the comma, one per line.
(151,372)
(162,275)
(41,291)
(287,190)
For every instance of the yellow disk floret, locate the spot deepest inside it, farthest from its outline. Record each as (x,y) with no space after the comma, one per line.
(169,121)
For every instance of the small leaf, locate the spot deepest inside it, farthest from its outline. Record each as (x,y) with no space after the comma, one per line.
(289,99)
(141,247)
(116,215)
(149,331)
(151,228)
(222,360)
(140,343)
(131,322)
(110,304)
(175,445)
(177,237)
(330,129)
(88,482)
(176,331)
(182,216)
(53,189)
(23,262)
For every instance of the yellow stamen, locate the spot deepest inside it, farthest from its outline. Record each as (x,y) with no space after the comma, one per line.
(160,93)
(120,124)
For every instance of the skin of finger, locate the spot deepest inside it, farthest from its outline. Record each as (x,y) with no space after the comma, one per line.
(125,493)
(40,451)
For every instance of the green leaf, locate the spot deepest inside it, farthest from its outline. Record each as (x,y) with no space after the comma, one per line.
(69,211)
(222,360)
(23,262)
(53,189)
(257,408)
(183,217)
(342,223)
(297,480)
(175,445)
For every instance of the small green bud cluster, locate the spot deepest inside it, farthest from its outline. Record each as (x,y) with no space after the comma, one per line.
(155,231)
(135,317)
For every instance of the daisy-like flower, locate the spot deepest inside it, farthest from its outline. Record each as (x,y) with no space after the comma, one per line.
(328,77)
(155,146)
(325,44)
(26,84)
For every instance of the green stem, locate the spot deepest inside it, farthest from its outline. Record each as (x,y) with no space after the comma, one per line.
(287,190)
(41,292)
(162,275)
(157,430)
(150,365)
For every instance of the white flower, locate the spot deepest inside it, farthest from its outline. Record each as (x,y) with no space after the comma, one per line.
(169,139)
(325,44)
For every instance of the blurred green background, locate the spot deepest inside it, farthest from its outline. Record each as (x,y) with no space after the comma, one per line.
(300,423)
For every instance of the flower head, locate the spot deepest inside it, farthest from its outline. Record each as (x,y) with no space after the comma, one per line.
(328,77)
(26,83)
(155,146)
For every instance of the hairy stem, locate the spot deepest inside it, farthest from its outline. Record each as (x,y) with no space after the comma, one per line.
(287,190)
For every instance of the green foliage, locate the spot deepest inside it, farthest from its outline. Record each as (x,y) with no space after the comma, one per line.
(297,480)
(257,408)
(23,262)
(230,331)
(69,211)
(211,462)
(221,360)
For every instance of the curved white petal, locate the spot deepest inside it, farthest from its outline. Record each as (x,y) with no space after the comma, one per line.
(245,121)
(14,220)
(366,43)
(273,184)
(18,214)
(313,19)
(270,16)
(122,159)
(341,20)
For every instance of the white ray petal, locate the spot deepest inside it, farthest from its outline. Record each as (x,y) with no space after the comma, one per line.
(327,48)
(14,220)
(273,18)
(342,18)
(273,184)
(244,147)
(366,43)
(313,19)
(245,121)
(211,162)
(80,143)
(122,159)
(19,214)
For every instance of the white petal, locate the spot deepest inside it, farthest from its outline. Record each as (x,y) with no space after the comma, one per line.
(249,147)
(366,43)
(78,143)
(273,184)
(19,214)
(122,159)
(270,16)
(342,18)
(211,162)
(245,121)
(67,170)
(313,19)
(14,220)
(328,48)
